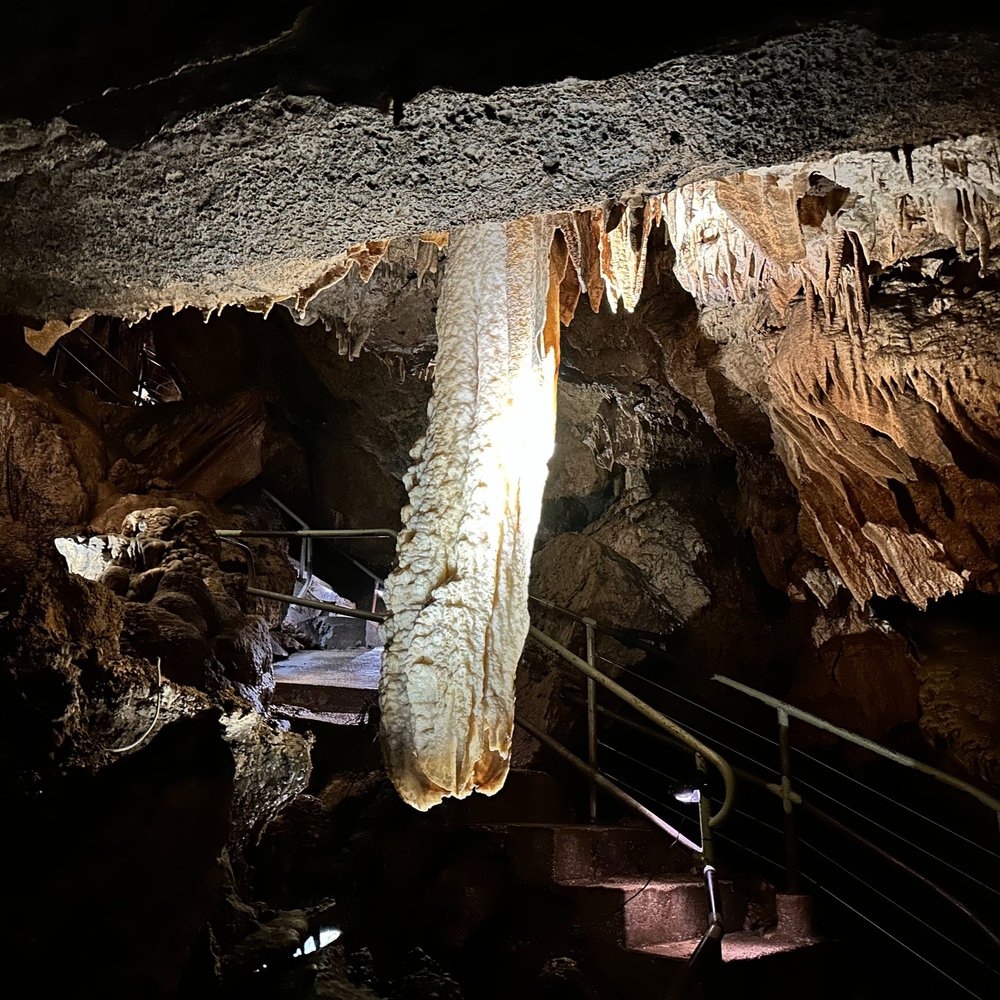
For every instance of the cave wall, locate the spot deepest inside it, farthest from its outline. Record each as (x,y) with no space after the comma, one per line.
(137,748)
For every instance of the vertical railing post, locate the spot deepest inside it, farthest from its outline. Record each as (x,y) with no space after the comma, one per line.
(591,722)
(791,844)
(704,812)
(304,573)
(708,955)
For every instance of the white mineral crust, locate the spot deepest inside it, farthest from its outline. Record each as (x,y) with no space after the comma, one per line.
(458,599)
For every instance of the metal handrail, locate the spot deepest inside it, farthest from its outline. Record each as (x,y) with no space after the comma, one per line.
(796,798)
(307,541)
(658,718)
(136,380)
(305,535)
(65,350)
(307,602)
(790,711)
(591,626)
(308,533)
(303,572)
(791,797)
(570,614)
(708,950)
(128,371)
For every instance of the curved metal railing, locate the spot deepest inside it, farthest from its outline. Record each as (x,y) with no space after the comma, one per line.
(916,871)
(786,711)
(304,571)
(709,948)
(596,675)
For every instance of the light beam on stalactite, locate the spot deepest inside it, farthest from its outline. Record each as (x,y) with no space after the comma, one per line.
(458,599)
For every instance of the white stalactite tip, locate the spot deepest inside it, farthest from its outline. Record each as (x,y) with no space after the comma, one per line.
(458,599)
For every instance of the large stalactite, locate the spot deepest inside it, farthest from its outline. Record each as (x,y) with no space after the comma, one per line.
(458,598)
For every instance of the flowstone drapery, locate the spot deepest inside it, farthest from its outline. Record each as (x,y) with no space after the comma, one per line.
(458,597)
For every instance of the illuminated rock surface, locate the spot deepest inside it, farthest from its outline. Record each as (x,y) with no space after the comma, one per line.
(458,597)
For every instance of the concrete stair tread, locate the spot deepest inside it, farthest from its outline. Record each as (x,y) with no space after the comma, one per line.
(634,883)
(738,946)
(335,686)
(526,792)
(636,911)
(563,852)
(351,718)
(346,668)
(597,828)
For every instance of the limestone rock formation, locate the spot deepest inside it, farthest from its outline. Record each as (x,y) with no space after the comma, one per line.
(205,448)
(664,546)
(376,410)
(458,596)
(859,673)
(847,301)
(230,231)
(51,463)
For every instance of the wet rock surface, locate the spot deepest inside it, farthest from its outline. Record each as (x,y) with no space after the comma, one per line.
(274,234)
(134,685)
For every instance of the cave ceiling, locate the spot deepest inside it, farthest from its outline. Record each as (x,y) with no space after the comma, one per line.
(250,193)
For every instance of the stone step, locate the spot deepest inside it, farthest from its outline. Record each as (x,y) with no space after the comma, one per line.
(754,965)
(775,963)
(631,882)
(543,853)
(622,897)
(737,946)
(322,703)
(635,913)
(525,793)
(327,683)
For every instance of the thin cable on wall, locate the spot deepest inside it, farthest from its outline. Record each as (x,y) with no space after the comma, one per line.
(156,716)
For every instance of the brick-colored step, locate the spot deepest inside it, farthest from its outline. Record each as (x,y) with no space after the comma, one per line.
(737,946)
(525,793)
(635,912)
(543,853)
(669,909)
